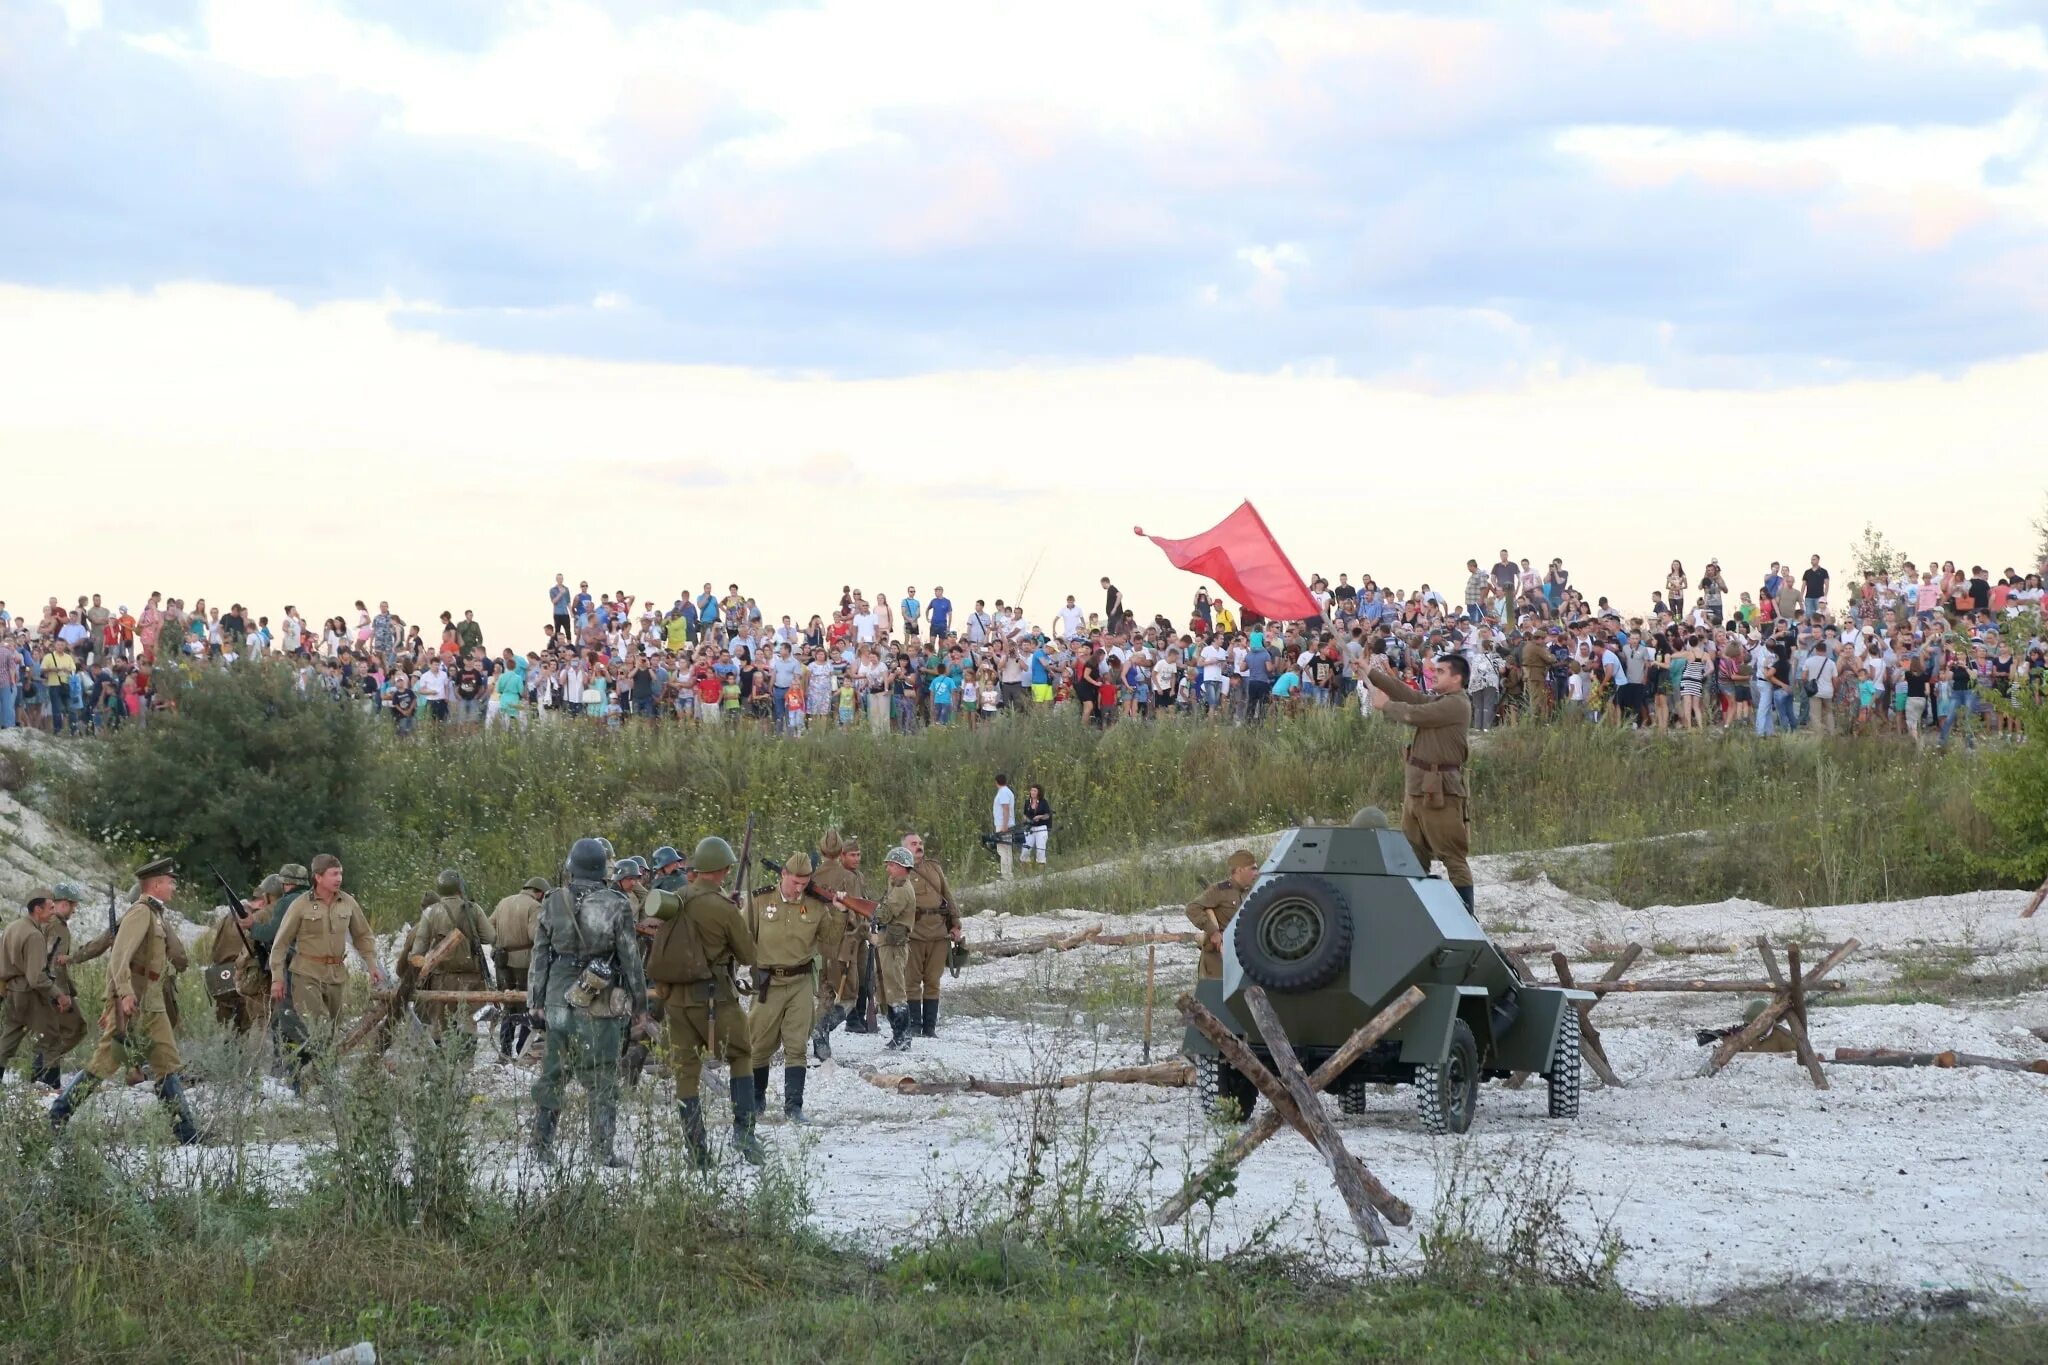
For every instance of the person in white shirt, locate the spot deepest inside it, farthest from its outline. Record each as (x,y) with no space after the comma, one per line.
(1004,815)
(979,623)
(1212,659)
(864,625)
(1817,672)
(1067,621)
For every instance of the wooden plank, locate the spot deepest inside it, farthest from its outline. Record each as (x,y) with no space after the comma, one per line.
(1884,1056)
(469,997)
(2034,902)
(392,1006)
(1768,1018)
(1269,1122)
(1361,1189)
(1590,1045)
(1801,1044)
(1696,985)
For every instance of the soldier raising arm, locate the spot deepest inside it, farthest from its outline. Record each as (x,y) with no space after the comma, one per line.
(1433,810)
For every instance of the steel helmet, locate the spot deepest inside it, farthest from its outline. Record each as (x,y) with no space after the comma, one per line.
(629,868)
(665,857)
(449,883)
(538,886)
(587,860)
(712,854)
(900,856)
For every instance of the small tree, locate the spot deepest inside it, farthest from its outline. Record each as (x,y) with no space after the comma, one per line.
(2041,531)
(1873,554)
(244,772)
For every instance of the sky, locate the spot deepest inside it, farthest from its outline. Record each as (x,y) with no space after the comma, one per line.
(311,300)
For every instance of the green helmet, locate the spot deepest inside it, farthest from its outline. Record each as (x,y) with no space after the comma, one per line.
(900,856)
(665,857)
(296,873)
(449,883)
(272,886)
(538,885)
(589,860)
(629,868)
(712,854)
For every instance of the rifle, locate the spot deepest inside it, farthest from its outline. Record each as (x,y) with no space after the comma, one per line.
(859,906)
(236,910)
(113,918)
(867,1002)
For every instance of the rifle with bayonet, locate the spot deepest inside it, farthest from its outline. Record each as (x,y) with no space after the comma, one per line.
(220,976)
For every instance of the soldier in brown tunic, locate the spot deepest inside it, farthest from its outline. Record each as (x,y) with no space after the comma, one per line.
(135,1023)
(932,935)
(70,1023)
(1433,811)
(32,1001)
(321,924)
(698,940)
(512,924)
(843,941)
(232,944)
(1211,912)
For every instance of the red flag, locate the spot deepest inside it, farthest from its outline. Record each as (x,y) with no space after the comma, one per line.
(1241,555)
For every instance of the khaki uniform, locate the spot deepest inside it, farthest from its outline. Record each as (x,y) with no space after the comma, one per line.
(843,941)
(321,931)
(70,1023)
(1211,912)
(931,933)
(691,1009)
(893,919)
(30,991)
(1536,676)
(174,948)
(463,968)
(786,940)
(1434,814)
(138,964)
(512,924)
(231,946)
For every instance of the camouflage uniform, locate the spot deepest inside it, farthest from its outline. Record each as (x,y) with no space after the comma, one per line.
(584,936)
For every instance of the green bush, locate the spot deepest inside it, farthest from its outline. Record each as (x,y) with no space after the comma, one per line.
(2014,797)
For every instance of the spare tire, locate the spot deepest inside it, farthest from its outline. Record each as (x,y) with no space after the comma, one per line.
(1293,933)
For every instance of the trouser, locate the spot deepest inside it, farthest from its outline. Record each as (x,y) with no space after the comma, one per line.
(1439,833)
(29,1015)
(1823,715)
(585,1050)
(232,1011)
(1034,844)
(438,1016)
(147,1038)
(1783,698)
(840,981)
(318,1002)
(781,1018)
(57,703)
(878,712)
(927,965)
(1006,853)
(1766,709)
(1255,696)
(9,694)
(895,964)
(1485,703)
(1916,718)
(688,1016)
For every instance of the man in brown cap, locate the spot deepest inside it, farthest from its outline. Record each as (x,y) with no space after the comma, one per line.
(843,942)
(135,1025)
(320,925)
(32,1003)
(1213,909)
(1433,813)
(932,934)
(785,923)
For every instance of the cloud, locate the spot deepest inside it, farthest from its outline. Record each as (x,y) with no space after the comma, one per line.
(1769,191)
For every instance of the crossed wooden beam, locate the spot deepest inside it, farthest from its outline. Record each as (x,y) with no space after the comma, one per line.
(1789,989)
(1292,1094)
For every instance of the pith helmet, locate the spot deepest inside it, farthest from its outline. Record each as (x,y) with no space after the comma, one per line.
(712,854)
(449,883)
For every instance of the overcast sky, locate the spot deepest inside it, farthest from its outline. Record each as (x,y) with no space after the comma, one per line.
(309,300)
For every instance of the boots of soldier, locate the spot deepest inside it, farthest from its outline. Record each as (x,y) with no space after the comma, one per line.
(793,1094)
(171,1090)
(760,1089)
(857,1018)
(1465,895)
(544,1134)
(743,1139)
(821,1037)
(74,1097)
(604,1132)
(51,1077)
(899,1029)
(691,1111)
(928,1026)
(636,1062)
(505,1028)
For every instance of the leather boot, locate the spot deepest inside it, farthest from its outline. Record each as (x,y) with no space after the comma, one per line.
(1465,895)
(171,1090)
(793,1094)
(604,1130)
(760,1090)
(51,1077)
(821,1037)
(635,1064)
(743,1140)
(544,1134)
(505,1027)
(74,1097)
(691,1111)
(928,1027)
(899,1029)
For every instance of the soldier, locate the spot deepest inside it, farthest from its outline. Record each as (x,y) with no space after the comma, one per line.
(463,968)
(57,937)
(671,873)
(232,945)
(1433,811)
(935,930)
(135,1020)
(174,948)
(786,924)
(843,942)
(630,879)
(33,1003)
(1212,911)
(893,921)
(310,951)
(512,925)
(698,938)
(586,980)
(255,975)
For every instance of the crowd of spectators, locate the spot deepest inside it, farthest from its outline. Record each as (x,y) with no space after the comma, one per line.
(1911,649)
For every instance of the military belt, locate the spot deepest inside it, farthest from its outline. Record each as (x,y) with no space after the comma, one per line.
(1436,767)
(324,960)
(941,910)
(786,972)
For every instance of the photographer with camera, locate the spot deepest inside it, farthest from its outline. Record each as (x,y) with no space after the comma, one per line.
(1037,823)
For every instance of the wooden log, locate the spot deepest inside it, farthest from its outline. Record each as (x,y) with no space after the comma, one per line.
(1590,1045)
(1884,1056)
(1140,940)
(1694,985)
(2040,1031)
(390,1006)
(1151,973)
(1768,1017)
(1528,949)
(1763,950)
(469,997)
(1174,1073)
(1270,1122)
(1362,1191)
(1796,1016)
(2034,902)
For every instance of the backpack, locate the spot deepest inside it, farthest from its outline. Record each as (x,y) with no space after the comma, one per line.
(677,954)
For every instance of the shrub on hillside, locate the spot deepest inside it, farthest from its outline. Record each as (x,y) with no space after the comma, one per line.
(2014,797)
(243,772)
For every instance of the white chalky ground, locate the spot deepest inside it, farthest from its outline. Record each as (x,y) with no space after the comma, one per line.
(1902,1179)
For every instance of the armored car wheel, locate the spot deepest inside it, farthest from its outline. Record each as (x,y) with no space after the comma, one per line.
(1351,1098)
(1564,1068)
(1293,933)
(1446,1095)
(1205,1081)
(1236,1096)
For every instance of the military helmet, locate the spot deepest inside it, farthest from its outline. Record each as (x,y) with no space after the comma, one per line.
(296,872)
(449,883)
(273,885)
(629,867)
(900,856)
(610,854)
(665,856)
(538,886)
(799,865)
(712,854)
(588,860)
(68,891)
